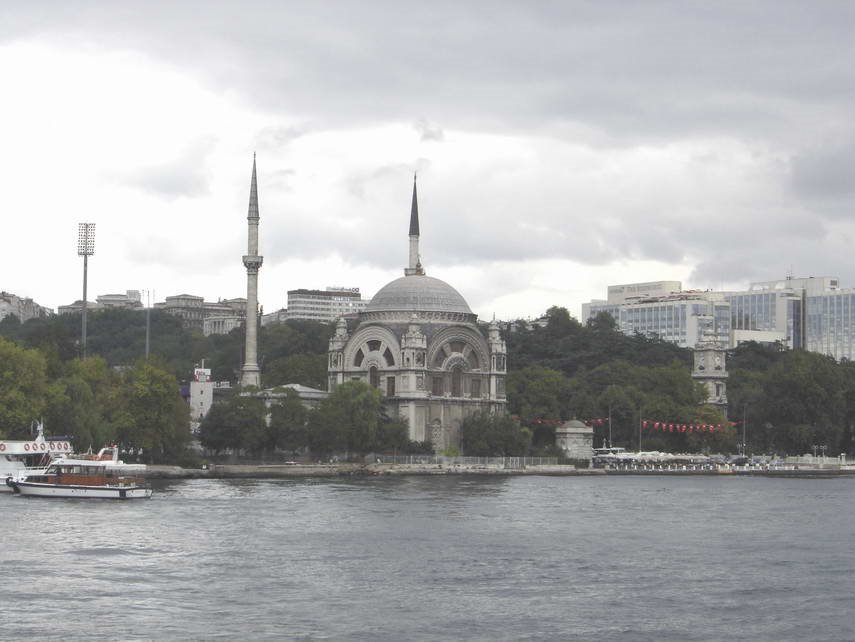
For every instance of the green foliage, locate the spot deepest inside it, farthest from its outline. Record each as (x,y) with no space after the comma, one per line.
(347,420)
(291,352)
(236,423)
(393,435)
(157,417)
(491,435)
(22,388)
(88,403)
(307,369)
(289,423)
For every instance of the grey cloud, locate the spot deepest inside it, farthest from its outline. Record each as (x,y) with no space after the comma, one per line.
(825,173)
(637,71)
(775,74)
(184,176)
(428,131)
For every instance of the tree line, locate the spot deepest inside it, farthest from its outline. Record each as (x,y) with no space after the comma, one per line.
(790,401)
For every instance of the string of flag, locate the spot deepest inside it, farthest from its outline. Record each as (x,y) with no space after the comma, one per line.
(669,426)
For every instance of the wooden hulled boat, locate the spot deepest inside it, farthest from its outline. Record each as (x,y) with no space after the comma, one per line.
(97,476)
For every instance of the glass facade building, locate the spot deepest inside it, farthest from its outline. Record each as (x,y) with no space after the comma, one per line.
(679,318)
(811,313)
(830,323)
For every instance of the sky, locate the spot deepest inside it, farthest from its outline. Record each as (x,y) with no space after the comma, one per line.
(560,146)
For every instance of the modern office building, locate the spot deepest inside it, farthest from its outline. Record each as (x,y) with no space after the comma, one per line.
(812,313)
(324,305)
(662,309)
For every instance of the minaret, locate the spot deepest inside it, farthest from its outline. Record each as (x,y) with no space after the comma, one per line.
(415,266)
(250,374)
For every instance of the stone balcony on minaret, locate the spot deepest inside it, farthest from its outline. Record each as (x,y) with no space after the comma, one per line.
(253,263)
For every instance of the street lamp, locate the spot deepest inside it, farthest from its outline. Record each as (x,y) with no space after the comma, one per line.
(85,248)
(610,425)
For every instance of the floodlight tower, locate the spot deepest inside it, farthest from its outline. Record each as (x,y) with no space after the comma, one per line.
(85,248)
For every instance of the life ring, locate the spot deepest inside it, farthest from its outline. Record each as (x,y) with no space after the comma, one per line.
(42,446)
(66,446)
(26,446)
(2,447)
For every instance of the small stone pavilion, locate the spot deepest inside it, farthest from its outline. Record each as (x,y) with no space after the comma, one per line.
(575,439)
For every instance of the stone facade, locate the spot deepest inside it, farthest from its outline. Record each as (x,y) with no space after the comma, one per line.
(575,439)
(420,344)
(710,369)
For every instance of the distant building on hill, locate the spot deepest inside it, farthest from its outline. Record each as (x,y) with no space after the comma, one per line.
(324,305)
(23,308)
(77,307)
(274,317)
(210,317)
(812,313)
(131,300)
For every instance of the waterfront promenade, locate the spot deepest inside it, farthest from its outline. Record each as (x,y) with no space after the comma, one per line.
(347,469)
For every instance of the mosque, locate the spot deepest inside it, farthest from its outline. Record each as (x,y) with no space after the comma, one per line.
(420,344)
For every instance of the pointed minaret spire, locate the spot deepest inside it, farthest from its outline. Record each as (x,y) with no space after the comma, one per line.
(415,265)
(253,194)
(250,372)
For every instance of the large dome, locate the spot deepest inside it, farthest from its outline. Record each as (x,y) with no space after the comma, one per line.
(418,293)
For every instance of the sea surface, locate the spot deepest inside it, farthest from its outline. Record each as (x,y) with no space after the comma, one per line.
(437,558)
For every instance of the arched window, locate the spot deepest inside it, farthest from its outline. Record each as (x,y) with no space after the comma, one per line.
(374,376)
(456,381)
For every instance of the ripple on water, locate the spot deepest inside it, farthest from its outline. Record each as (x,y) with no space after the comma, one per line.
(432,558)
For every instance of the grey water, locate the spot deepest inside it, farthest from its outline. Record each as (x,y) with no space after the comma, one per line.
(436,558)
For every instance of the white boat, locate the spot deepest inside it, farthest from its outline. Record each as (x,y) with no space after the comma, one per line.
(21,458)
(97,476)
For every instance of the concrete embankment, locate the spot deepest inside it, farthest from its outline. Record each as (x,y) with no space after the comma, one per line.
(273,471)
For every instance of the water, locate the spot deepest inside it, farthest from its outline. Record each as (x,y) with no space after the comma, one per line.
(437,558)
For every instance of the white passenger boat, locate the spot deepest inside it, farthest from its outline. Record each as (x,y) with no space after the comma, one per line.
(98,476)
(21,458)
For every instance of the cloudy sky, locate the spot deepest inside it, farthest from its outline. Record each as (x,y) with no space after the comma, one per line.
(560,146)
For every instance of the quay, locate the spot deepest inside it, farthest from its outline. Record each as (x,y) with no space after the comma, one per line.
(344,469)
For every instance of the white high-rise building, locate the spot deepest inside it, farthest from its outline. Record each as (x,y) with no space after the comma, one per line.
(812,313)
(324,305)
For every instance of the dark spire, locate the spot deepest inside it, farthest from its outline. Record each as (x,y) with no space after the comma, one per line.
(253,194)
(414,211)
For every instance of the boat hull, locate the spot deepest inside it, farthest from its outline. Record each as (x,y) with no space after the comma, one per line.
(32,489)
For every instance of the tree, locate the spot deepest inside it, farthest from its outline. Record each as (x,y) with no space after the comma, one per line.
(86,403)
(347,420)
(236,423)
(536,393)
(158,419)
(489,435)
(307,369)
(22,388)
(288,423)
(393,434)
